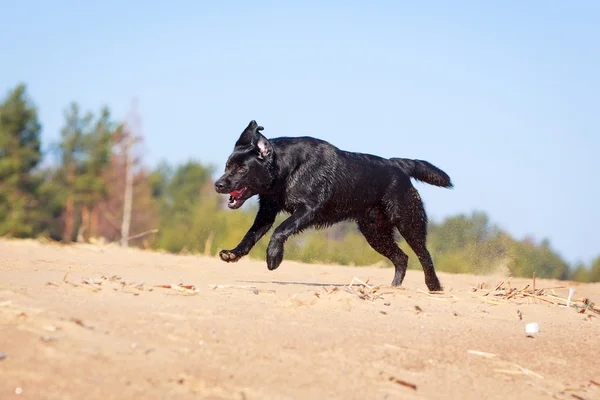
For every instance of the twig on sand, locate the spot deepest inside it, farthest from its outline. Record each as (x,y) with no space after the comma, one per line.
(502,283)
(503,291)
(401,382)
(521,370)
(253,289)
(481,353)
(361,282)
(352,291)
(94,283)
(539,298)
(185,289)
(364,290)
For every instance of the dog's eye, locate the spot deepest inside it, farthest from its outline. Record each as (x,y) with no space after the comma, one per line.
(242,170)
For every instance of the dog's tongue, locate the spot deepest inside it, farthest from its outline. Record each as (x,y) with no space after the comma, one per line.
(237,193)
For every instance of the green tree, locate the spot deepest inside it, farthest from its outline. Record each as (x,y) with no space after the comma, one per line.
(84,149)
(527,258)
(19,155)
(580,273)
(594,275)
(187,206)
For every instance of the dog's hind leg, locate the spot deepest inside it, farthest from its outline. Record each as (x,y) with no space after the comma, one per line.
(412,225)
(380,236)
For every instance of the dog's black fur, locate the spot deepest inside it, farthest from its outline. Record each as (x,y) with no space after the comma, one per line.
(320,185)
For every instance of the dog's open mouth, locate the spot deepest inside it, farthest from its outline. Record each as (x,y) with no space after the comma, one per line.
(237,198)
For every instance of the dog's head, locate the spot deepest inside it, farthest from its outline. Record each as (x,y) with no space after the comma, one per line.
(249,168)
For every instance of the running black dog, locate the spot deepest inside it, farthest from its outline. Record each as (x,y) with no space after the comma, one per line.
(320,185)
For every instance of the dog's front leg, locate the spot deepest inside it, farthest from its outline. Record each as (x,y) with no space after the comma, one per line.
(301,219)
(267,212)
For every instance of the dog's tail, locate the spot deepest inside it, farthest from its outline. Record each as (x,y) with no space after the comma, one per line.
(424,171)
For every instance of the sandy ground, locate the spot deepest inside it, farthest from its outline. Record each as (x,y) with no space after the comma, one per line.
(294,333)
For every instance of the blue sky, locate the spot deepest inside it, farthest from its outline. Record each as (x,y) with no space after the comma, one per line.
(504,96)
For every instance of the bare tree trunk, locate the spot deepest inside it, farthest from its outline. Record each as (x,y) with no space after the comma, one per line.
(132,129)
(93,232)
(69,208)
(84,226)
(128,197)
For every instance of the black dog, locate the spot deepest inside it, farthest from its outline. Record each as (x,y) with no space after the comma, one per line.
(320,185)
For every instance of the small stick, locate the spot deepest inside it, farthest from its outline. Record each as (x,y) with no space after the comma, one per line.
(521,370)
(231,287)
(529,372)
(139,235)
(558,298)
(359,295)
(509,371)
(361,282)
(573,301)
(555,287)
(245,287)
(481,353)
(539,298)
(391,346)
(571,292)
(404,383)
(514,293)
(534,281)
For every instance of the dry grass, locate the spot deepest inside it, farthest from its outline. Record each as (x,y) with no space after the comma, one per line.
(504,292)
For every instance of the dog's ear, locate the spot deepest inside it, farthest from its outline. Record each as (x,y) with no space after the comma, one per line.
(250,135)
(264,147)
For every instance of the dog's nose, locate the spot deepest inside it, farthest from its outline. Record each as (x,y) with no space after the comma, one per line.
(219,186)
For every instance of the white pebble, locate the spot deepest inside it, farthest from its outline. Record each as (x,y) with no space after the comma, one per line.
(532,327)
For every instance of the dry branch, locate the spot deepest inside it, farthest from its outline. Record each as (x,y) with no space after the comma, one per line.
(363,290)
(503,292)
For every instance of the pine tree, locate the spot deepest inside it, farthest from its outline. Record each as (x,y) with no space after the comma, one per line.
(85,152)
(594,275)
(19,155)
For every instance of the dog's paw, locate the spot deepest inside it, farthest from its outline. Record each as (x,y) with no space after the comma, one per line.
(228,256)
(433,284)
(274,256)
(435,287)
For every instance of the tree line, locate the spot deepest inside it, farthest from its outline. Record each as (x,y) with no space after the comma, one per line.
(78,195)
